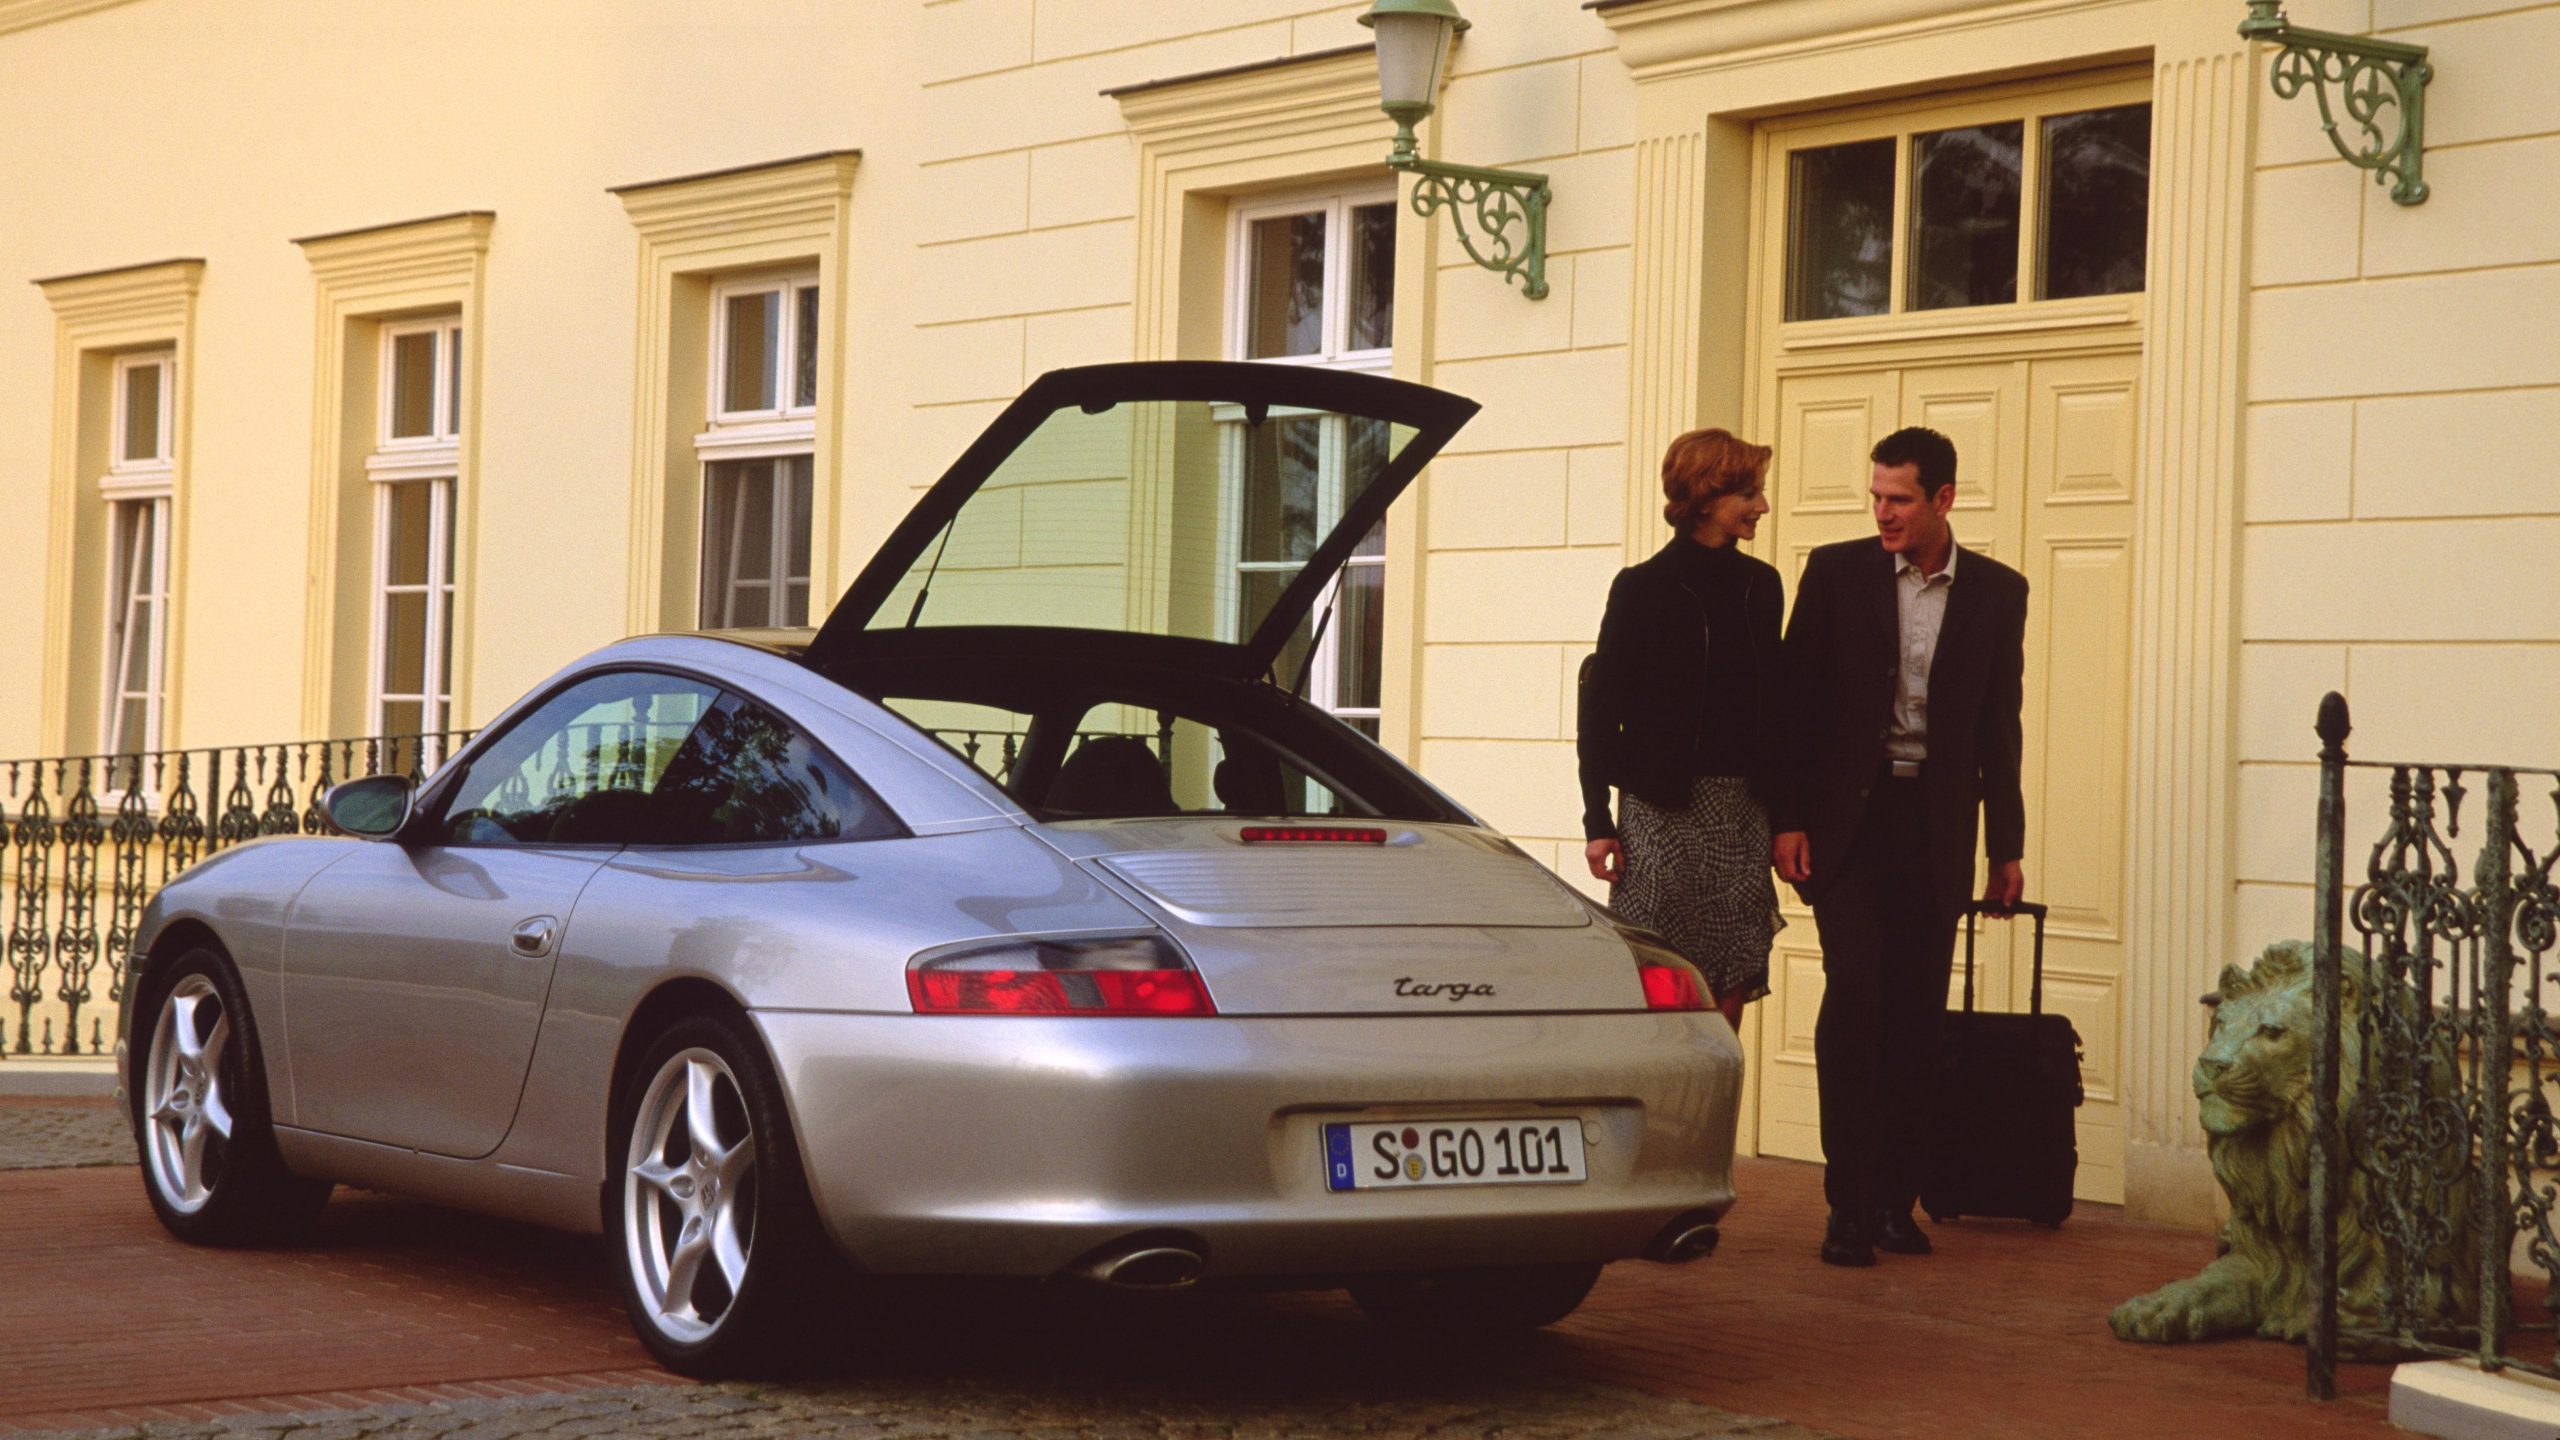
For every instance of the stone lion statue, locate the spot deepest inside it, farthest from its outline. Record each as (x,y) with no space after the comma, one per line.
(2253,1092)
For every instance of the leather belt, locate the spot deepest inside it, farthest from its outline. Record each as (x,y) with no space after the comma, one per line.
(1903,769)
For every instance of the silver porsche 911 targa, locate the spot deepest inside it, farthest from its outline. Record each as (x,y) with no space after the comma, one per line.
(1025,918)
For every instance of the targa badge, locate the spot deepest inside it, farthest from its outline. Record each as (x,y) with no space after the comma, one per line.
(1413,1167)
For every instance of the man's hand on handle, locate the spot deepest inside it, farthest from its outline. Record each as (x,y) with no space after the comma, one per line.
(2006,884)
(1607,861)
(1793,855)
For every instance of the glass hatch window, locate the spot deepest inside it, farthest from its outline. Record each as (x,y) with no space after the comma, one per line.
(1186,518)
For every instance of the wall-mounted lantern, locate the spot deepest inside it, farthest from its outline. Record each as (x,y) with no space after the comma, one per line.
(2381,90)
(1413,53)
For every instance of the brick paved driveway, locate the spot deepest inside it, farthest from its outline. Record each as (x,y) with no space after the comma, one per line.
(2000,1335)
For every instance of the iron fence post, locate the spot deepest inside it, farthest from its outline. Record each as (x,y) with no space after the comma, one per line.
(2494,879)
(2327,921)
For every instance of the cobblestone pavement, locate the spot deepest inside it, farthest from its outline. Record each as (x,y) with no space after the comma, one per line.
(41,1134)
(909,1410)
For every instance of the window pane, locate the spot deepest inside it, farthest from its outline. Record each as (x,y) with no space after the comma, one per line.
(1287,287)
(404,643)
(1964,216)
(142,412)
(1360,631)
(408,509)
(453,382)
(1261,591)
(1280,477)
(136,677)
(133,727)
(1840,230)
(443,695)
(579,769)
(1373,278)
(2097,201)
(742,566)
(747,775)
(804,390)
(413,385)
(795,603)
(755,329)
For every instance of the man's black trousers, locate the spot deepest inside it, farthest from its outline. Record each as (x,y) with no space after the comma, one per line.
(1886,950)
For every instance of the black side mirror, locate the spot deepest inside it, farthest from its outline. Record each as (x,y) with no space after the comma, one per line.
(373,808)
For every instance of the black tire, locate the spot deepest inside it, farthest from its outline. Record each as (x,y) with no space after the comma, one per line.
(792,1271)
(1490,1300)
(235,1190)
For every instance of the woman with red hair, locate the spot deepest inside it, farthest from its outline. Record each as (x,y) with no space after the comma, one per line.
(1678,713)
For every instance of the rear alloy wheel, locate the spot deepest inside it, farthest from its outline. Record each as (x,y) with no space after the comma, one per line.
(209,1160)
(1483,1301)
(719,1244)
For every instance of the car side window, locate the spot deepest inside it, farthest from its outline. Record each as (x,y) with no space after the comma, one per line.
(747,776)
(581,769)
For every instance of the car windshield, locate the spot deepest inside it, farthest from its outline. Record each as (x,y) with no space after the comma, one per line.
(1185,518)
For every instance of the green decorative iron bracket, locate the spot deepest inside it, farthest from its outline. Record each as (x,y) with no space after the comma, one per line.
(2381,87)
(1495,199)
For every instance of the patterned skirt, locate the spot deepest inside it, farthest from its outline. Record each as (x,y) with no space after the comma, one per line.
(1699,876)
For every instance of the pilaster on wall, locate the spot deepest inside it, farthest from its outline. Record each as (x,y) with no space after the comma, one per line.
(138,307)
(2186,546)
(1665,349)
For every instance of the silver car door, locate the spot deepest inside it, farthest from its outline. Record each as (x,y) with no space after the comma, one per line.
(416,970)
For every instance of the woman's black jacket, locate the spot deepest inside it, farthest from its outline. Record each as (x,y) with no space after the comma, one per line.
(1684,682)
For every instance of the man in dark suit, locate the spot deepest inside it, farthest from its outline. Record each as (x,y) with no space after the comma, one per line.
(1903,662)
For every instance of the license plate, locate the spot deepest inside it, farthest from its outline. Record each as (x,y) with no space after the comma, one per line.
(1413,1154)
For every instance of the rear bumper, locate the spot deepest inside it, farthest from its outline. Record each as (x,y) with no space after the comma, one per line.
(1017,1145)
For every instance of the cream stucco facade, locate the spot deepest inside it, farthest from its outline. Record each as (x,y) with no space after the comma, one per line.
(2305,455)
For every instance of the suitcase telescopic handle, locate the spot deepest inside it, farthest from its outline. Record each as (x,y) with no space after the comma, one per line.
(2036,908)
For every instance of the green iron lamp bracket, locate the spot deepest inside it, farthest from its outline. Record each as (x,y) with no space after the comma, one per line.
(1495,199)
(2381,86)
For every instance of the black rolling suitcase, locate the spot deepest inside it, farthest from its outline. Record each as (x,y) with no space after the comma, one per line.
(2002,1141)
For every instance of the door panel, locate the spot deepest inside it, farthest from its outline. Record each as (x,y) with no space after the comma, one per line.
(2044,485)
(409,1015)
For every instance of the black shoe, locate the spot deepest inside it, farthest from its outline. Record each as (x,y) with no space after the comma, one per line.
(1844,1241)
(1899,1234)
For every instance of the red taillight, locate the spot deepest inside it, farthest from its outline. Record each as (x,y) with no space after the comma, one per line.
(1058,992)
(1670,987)
(1314,835)
(1059,975)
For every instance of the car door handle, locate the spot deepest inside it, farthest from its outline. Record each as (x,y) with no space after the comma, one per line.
(532,938)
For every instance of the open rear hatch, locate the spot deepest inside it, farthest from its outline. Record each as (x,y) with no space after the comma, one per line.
(1346,916)
(1193,511)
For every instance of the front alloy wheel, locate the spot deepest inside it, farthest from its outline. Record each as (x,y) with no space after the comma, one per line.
(186,1117)
(209,1158)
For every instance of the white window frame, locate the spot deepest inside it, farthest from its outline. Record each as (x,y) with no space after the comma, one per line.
(133,486)
(435,461)
(788,430)
(1324,674)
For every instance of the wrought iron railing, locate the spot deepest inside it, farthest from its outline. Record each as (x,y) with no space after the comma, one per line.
(86,840)
(2445,1147)
(996,752)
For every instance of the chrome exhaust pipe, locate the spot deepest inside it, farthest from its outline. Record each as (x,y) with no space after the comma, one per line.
(1142,1266)
(1691,1237)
